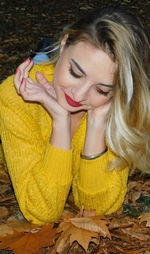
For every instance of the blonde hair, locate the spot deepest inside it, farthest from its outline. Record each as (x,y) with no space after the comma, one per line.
(122,36)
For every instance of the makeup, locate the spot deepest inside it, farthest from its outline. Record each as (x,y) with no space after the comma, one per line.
(71,102)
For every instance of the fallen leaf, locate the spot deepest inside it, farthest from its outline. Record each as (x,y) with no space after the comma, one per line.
(83,237)
(135,196)
(5,230)
(89,213)
(145,217)
(81,229)
(120,223)
(131,185)
(3,211)
(12,224)
(94,224)
(4,188)
(29,243)
(132,233)
(4,178)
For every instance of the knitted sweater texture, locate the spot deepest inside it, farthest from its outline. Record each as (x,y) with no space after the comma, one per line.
(41,174)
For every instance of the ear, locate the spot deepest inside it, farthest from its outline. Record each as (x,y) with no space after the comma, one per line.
(63,43)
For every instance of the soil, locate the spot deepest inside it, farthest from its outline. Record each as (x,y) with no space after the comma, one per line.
(24,23)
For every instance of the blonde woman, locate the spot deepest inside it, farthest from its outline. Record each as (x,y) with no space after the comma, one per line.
(81,121)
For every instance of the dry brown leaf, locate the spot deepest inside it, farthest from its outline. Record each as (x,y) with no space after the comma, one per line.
(4,188)
(81,229)
(4,178)
(120,223)
(135,196)
(94,224)
(63,244)
(12,224)
(5,230)
(145,217)
(3,211)
(103,227)
(21,225)
(132,233)
(131,185)
(83,237)
(89,213)
(29,243)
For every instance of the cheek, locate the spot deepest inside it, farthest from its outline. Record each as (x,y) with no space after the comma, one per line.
(62,78)
(58,76)
(98,100)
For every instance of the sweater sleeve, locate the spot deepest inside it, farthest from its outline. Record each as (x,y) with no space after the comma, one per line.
(40,173)
(97,188)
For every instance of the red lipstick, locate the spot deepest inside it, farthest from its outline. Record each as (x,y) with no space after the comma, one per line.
(71,102)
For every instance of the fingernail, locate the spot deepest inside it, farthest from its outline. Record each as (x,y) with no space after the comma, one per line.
(22,81)
(16,70)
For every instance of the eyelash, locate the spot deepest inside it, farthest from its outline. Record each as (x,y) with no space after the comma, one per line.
(102,92)
(78,76)
(73,73)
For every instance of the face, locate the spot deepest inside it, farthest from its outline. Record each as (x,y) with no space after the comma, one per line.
(83,77)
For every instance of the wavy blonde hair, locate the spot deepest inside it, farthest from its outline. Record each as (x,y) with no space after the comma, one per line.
(122,36)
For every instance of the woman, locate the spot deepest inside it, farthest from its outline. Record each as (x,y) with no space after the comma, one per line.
(82,121)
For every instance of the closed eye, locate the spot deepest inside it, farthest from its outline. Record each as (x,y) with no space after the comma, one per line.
(101,91)
(74,74)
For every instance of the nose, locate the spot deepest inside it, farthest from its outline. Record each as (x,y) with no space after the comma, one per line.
(80,93)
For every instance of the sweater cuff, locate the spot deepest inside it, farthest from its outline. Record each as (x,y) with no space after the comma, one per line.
(58,163)
(93,174)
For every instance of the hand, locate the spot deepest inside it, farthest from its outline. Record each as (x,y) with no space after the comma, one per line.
(22,71)
(95,132)
(42,92)
(99,114)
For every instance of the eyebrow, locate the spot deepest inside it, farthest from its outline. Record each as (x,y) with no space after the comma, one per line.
(78,66)
(80,69)
(107,85)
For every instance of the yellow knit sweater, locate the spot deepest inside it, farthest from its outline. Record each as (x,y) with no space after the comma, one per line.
(42,174)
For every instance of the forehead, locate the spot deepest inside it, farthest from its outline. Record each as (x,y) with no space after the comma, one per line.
(93,61)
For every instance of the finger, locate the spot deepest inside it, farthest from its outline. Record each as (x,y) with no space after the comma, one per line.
(27,69)
(29,80)
(42,80)
(24,65)
(19,73)
(52,92)
(22,72)
(17,80)
(22,87)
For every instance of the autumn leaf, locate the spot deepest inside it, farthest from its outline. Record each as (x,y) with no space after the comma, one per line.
(12,224)
(29,243)
(81,229)
(94,224)
(133,233)
(4,178)
(3,211)
(83,237)
(145,217)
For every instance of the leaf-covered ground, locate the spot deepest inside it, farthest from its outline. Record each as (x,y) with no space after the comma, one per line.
(23,24)
(126,231)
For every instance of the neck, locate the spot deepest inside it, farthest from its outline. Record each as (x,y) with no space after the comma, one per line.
(75,121)
(78,115)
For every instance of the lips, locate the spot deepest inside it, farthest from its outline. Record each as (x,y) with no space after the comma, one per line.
(72,102)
